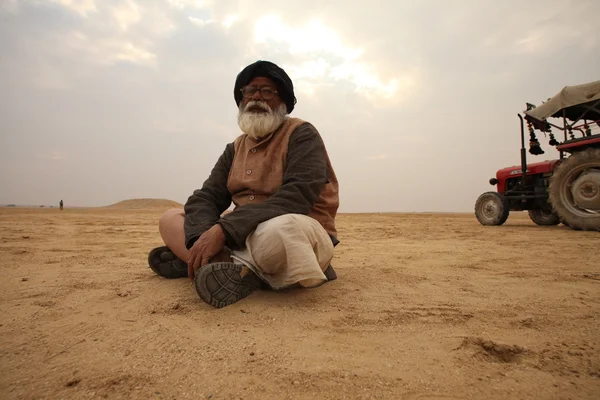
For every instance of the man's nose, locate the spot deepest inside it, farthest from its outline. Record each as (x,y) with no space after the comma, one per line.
(257,95)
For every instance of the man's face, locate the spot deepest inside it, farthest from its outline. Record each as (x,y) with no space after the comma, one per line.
(257,116)
(260,82)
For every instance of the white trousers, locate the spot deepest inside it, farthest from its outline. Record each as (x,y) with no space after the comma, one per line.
(288,250)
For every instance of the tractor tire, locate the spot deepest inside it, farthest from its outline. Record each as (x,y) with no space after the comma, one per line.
(491,208)
(544,217)
(575,190)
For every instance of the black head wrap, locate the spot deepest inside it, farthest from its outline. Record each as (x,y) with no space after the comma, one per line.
(267,69)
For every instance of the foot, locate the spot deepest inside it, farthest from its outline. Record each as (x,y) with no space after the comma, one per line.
(164,263)
(221,284)
(330,273)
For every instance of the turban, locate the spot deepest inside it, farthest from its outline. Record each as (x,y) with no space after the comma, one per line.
(285,87)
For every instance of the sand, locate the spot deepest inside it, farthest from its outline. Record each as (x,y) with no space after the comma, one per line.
(427,306)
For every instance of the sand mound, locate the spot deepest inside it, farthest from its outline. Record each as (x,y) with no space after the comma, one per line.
(145,204)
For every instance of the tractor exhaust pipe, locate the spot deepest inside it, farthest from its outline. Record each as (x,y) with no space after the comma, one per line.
(523,150)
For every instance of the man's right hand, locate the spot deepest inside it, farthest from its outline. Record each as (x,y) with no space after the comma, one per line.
(207,247)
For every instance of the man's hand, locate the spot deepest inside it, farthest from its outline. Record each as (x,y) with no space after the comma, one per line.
(209,245)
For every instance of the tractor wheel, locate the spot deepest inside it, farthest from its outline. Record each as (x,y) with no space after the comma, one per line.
(543,217)
(575,190)
(491,208)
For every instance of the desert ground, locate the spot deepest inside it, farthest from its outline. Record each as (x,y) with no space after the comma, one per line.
(426,306)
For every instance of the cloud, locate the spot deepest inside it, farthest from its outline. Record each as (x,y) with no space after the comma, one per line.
(367,81)
(182,4)
(377,157)
(230,20)
(112,32)
(109,51)
(53,156)
(200,22)
(82,7)
(312,38)
(129,31)
(321,56)
(126,14)
(9,6)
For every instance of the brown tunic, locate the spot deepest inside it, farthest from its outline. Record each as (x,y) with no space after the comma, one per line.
(287,172)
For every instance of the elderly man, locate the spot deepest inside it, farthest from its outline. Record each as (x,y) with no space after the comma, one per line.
(281,232)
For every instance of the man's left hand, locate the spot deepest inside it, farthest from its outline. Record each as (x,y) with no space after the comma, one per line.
(206,247)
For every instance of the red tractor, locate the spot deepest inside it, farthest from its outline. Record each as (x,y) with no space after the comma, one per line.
(566,190)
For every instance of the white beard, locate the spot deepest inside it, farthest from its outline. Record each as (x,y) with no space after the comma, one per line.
(258,125)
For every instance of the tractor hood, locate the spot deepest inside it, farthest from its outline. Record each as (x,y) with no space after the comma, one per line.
(532,169)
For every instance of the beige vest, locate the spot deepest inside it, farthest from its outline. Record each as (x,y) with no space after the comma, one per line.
(257,172)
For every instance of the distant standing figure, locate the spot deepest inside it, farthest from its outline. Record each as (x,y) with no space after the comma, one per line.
(61,204)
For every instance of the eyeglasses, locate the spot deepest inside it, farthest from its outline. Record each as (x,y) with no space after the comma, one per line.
(266,92)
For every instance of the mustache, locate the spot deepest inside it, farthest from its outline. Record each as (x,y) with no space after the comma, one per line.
(258,104)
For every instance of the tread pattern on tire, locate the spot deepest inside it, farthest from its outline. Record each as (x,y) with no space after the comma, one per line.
(567,217)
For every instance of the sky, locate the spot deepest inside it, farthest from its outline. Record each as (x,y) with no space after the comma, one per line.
(416,101)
